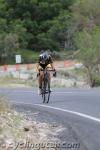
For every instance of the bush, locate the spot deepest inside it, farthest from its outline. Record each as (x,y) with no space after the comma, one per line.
(62,55)
(28,56)
(56,55)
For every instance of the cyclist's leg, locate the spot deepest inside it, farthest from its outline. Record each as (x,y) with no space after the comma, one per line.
(40,79)
(41,76)
(49,80)
(49,74)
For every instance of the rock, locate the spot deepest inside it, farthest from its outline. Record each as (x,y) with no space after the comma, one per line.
(26,129)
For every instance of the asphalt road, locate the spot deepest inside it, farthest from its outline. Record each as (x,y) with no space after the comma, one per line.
(76,109)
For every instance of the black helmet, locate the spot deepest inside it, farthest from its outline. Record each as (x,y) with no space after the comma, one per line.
(42,51)
(45,56)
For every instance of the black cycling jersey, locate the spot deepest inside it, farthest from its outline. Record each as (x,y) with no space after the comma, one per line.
(43,63)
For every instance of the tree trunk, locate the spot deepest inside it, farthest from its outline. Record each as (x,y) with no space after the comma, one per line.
(91,79)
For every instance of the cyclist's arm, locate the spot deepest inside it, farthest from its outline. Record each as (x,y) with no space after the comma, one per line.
(38,64)
(52,64)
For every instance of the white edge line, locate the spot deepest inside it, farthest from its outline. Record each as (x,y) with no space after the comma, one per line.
(64,110)
(72,112)
(37,92)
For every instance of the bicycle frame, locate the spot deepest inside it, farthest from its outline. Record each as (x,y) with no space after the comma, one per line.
(46,85)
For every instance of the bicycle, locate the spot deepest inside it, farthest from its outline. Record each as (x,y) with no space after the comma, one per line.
(45,90)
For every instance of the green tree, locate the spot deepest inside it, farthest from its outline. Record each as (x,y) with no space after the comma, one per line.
(86,28)
(89,52)
(85,15)
(39,19)
(8,46)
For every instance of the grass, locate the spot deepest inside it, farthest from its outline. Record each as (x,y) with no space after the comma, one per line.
(72,73)
(8,81)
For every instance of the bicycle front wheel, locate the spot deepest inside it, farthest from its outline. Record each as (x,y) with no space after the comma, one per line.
(47,95)
(46,91)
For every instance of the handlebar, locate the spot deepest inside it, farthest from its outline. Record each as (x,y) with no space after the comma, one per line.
(46,69)
(53,70)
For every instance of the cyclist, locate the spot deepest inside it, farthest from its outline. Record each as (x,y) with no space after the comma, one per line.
(45,61)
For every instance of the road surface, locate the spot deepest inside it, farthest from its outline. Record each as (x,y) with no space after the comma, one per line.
(77,109)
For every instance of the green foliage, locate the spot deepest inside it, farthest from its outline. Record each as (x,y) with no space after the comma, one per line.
(87,16)
(89,53)
(97,81)
(38,24)
(62,55)
(28,56)
(89,46)
(3,25)
(50,24)
(8,45)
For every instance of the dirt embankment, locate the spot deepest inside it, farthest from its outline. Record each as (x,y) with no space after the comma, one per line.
(18,131)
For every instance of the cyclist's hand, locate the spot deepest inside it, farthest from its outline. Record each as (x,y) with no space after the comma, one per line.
(38,74)
(55,73)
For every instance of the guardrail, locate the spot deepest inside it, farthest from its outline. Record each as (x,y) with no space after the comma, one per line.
(57,64)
